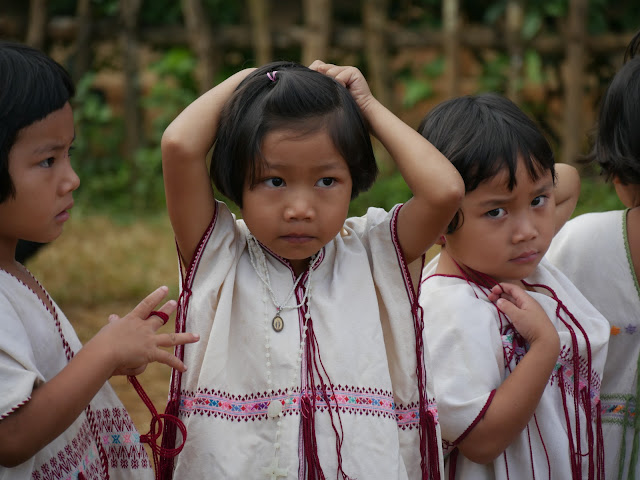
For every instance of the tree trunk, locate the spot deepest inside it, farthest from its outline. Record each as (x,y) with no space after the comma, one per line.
(37,23)
(451,47)
(82,62)
(260,31)
(201,41)
(317,19)
(374,13)
(129,10)
(574,85)
(514,21)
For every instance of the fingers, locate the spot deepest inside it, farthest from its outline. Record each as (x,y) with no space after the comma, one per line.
(173,339)
(161,315)
(144,308)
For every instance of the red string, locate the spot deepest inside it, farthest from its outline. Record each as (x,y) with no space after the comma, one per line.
(156,428)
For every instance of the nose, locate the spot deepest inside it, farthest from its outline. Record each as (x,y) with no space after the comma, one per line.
(525,228)
(70,180)
(299,206)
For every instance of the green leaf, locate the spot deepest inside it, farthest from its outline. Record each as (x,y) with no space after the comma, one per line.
(416,91)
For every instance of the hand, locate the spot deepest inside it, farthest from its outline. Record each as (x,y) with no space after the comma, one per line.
(351,78)
(526,314)
(133,341)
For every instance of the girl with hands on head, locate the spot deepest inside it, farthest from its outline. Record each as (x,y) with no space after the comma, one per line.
(282,385)
(59,417)
(517,352)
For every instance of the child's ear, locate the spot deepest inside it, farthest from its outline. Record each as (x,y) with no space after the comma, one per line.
(441,240)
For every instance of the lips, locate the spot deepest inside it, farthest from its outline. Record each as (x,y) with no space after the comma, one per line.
(526,257)
(297,238)
(64,214)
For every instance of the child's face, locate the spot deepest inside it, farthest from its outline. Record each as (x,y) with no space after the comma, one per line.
(505,233)
(41,172)
(301,198)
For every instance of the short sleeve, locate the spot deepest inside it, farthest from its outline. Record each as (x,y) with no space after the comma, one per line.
(18,373)
(465,346)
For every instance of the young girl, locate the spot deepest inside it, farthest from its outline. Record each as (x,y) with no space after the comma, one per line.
(59,418)
(516,351)
(308,365)
(600,253)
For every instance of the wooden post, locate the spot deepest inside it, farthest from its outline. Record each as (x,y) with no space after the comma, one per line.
(201,41)
(514,22)
(451,46)
(129,10)
(82,61)
(317,20)
(260,31)
(374,16)
(573,81)
(37,23)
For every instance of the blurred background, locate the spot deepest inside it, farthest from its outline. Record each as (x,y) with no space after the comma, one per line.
(138,63)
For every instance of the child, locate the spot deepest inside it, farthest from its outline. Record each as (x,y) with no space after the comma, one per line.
(309,365)
(600,253)
(59,418)
(517,352)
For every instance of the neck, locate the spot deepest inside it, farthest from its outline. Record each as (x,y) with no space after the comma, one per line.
(7,254)
(299,266)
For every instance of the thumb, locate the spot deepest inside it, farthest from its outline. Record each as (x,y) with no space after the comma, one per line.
(507,307)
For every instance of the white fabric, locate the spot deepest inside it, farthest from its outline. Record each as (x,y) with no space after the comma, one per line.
(593,251)
(362,320)
(31,353)
(465,337)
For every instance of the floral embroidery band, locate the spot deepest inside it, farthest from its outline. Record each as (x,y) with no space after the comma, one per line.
(254,407)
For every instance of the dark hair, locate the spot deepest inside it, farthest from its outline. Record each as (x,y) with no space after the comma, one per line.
(633,48)
(295,98)
(32,86)
(617,142)
(482,135)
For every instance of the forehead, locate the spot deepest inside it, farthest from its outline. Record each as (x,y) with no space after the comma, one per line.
(288,148)
(54,131)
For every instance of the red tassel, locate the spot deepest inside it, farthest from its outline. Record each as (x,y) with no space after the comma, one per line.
(156,428)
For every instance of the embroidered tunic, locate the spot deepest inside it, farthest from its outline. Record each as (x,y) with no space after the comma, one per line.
(473,349)
(361,316)
(32,352)
(593,251)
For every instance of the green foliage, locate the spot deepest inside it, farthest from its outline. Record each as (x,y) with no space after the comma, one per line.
(419,88)
(386,192)
(596,195)
(108,181)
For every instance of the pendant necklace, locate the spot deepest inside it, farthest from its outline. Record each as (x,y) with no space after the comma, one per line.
(275,409)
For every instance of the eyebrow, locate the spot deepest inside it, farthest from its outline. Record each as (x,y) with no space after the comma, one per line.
(48,147)
(500,199)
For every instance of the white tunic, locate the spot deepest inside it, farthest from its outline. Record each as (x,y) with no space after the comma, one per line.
(593,251)
(362,319)
(32,352)
(470,345)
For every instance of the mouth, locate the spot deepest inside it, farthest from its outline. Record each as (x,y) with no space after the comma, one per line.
(527,257)
(64,215)
(297,238)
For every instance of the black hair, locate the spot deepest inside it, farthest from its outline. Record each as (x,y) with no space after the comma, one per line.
(32,86)
(295,98)
(484,134)
(617,142)
(633,48)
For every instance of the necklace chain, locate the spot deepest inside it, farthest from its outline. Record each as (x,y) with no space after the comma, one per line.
(276,406)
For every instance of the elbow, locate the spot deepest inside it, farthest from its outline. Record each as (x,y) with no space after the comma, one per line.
(11,456)
(482,454)
(451,195)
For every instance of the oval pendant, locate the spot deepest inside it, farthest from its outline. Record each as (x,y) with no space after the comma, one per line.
(275,409)
(277,323)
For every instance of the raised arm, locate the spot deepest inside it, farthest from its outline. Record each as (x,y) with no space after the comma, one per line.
(517,398)
(124,346)
(567,192)
(436,185)
(185,145)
